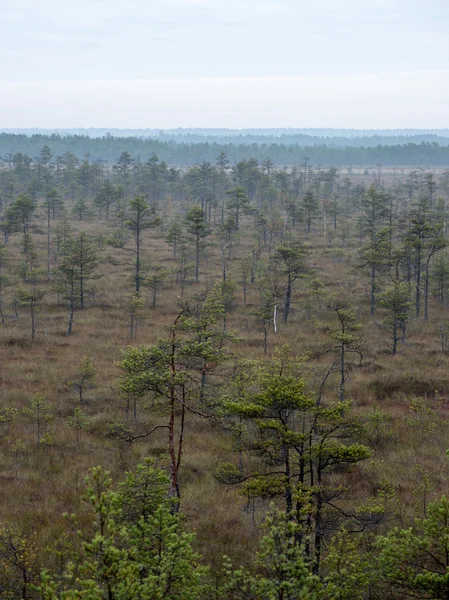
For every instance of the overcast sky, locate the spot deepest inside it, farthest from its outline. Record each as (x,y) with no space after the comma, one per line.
(216,63)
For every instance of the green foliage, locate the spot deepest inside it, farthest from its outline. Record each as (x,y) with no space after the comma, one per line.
(423,418)
(78,421)
(53,203)
(6,416)
(346,336)
(31,297)
(415,561)
(133,306)
(140,218)
(154,279)
(143,491)
(198,230)
(81,209)
(377,426)
(440,278)
(293,260)
(173,372)
(300,441)
(137,548)
(396,299)
(39,413)
(84,254)
(283,570)
(310,207)
(79,262)
(84,379)
(238,203)
(19,564)
(174,236)
(348,570)
(228,473)
(20,213)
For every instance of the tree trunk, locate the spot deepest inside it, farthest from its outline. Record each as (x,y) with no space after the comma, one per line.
(197,261)
(138,264)
(426,289)
(288,295)
(318,528)
(418,281)
(342,374)
(72,309)
(48,245)
(395,334)
(33,320)
(373,289)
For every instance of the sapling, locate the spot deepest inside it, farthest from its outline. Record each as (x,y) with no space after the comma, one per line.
(39,414)
(84,378)
(78,421)
(31,297)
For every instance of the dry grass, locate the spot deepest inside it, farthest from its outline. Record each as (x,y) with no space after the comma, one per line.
(39,486)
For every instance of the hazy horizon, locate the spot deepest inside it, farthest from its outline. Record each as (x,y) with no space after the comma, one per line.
(187,133)
(210,63)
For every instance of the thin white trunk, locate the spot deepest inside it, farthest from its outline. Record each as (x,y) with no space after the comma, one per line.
(275,319)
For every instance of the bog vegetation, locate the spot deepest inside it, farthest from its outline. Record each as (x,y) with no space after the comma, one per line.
(224,381)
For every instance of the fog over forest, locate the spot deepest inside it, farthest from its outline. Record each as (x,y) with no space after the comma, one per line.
(189,147)
(305,136)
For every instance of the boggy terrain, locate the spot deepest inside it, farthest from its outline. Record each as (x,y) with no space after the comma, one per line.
(269,337)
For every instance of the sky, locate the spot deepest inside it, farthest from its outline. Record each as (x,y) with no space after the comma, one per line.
(216,63)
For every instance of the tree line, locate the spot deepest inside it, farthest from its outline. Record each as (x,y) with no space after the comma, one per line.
(180,152)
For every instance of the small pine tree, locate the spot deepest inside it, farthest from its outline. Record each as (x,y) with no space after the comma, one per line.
(31,297)
(133,305)
(137,549)
(39,414)
(78,421)
(283,570)
(415,562)
(396,299)
(84,379)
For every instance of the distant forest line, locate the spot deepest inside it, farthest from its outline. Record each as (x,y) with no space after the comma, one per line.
(108,149)
(288,136)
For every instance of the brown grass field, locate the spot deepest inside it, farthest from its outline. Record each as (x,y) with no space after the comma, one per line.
(39,485)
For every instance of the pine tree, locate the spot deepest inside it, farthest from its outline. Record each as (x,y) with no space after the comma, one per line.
(136,546)
(283,568)
(301,441)
(78,421)
(39,414)
(346,335)
(294,266)
(198,230)
(238,203)
(396,299)
(84,379)
(310,207)
(415,561)
(140,218)
(31,297)
(84,255)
